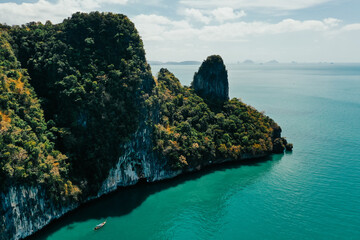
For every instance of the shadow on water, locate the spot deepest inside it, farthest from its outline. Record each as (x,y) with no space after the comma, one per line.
(124,200)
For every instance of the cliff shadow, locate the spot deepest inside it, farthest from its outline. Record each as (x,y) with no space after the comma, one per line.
(126,199)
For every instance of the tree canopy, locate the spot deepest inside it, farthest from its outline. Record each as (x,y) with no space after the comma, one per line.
(72,93)
(89,72)
(191,133)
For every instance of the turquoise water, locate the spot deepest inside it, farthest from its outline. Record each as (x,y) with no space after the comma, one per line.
(312,193)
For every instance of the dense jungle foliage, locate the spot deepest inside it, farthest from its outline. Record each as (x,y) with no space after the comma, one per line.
(27,152)
(190,132)
(72,93)
(88,72)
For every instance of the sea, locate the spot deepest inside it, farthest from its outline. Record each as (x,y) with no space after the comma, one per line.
(310,193)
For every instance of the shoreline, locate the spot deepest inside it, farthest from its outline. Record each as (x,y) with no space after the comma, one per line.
(181,177)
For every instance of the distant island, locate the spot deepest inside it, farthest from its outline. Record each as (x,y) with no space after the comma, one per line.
(174,63)
(81,115)
(272,62)
(248,61)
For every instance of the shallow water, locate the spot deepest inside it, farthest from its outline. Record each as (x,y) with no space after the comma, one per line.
(312,193)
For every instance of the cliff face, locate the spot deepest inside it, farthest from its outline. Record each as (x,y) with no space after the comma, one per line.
(90,72)
(138,161)
(211,81)
(26,209)
(116,126)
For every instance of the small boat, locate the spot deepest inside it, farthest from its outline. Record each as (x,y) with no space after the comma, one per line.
(99,225)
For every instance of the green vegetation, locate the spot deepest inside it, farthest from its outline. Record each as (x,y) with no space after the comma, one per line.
(88,72)
(190,133)
(27,153)
(90,85)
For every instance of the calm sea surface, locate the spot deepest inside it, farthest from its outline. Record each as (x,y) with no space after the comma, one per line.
(312,193)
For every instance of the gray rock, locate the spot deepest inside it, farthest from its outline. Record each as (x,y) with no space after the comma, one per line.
(211,81)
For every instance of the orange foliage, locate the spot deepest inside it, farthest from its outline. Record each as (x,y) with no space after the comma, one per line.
(52,162)
(195,145)
(235,151)
(5,121)
(156,81)
(182,159)
(257,148)
(175,144)
(168,129)
(19,85)
(5,117)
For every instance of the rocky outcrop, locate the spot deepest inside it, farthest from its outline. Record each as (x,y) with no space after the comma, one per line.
(138,161)
(280,144)
(26,209)
(211,81)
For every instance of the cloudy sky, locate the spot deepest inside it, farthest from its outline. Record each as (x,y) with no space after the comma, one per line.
(261,30)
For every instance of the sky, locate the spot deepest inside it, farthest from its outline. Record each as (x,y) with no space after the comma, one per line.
(182,30)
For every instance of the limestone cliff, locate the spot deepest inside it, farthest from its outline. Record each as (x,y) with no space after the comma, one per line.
(211,81)
(27,209)
(105,113)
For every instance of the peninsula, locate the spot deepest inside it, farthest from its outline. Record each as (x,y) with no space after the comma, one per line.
(81,115)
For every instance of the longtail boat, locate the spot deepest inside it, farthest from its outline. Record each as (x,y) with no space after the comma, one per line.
(99,225)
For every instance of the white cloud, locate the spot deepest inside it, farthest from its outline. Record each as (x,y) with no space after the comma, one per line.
(226,13)
(223,30)
(157,3)
(352,27)
(332,22)
(221,15)
(154,27)
(241,30)
(287,40)
(43,10)
(196,14)
(242,4)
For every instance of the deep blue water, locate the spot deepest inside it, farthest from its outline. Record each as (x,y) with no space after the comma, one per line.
(312,193)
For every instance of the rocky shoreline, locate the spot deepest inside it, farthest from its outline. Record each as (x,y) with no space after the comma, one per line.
(27,209)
